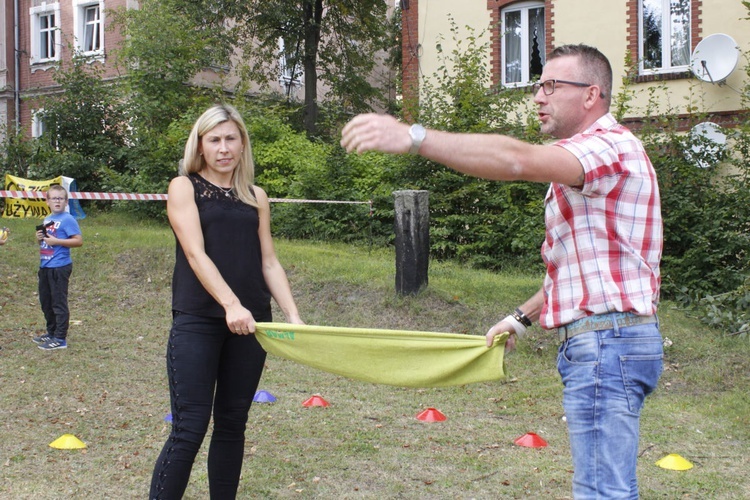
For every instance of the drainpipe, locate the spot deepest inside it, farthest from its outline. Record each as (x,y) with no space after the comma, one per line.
(17,76)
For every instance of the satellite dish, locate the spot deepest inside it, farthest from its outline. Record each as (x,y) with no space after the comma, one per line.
(708,143)
(714,58)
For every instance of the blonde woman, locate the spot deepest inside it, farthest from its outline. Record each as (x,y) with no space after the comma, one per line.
(226,272)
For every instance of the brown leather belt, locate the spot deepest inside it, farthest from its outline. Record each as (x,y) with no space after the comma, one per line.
(605,321)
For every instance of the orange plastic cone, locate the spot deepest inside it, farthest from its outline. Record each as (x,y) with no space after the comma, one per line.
(431,415)
(316,400)
(531,440)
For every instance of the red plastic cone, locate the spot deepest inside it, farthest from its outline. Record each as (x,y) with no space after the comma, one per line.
(316,400)
(431,415)
(531,440)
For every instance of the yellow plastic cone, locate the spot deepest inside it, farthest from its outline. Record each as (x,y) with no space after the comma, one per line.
(67,442)
(674,462)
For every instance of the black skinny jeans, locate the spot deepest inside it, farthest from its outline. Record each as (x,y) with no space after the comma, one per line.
(53,297)
(210,370)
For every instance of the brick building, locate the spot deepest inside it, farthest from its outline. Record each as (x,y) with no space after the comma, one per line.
(38,35)
(653,42)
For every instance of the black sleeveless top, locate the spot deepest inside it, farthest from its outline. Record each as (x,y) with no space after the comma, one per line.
(230,234)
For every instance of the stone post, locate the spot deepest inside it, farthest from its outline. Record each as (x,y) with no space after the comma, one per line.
(412,226)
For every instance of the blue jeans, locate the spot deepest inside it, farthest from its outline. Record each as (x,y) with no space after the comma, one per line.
(607,375)
(211,372)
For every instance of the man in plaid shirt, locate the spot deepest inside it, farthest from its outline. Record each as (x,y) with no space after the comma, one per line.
(602,251)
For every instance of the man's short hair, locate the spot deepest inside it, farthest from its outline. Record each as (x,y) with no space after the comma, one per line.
(596,66)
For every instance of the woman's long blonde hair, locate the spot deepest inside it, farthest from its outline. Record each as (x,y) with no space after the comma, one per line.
(193,162)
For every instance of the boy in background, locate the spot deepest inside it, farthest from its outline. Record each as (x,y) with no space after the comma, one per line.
(56,236)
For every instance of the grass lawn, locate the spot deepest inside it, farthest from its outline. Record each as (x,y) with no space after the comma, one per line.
(109,387)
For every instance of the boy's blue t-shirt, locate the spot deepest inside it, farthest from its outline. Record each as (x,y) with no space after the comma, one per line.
(65,226)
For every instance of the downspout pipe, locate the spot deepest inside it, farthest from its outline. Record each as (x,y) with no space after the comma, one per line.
(16,73)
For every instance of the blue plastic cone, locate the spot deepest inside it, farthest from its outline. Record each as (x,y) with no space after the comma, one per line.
(264,397)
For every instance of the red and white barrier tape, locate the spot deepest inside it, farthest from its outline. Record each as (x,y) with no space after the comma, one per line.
(41,195)
(78,195)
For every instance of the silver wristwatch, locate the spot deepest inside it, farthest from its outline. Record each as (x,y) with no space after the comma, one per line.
(417,133)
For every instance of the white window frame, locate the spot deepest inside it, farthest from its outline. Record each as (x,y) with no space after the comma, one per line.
(288,77)
(82,26)
(36,14)
(39,128)
(667,35)
(523,8)
(37,123)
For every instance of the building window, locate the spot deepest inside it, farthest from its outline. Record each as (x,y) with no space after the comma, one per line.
(664,36)
(291,73)
(523,43)
(47,40)
(37,123)
(40,129)
(45,33)
(89,27)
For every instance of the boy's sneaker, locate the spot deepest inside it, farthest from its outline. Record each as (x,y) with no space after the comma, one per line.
(53,344)
(42,339)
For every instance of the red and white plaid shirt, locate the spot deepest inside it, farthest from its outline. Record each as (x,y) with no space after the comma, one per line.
(604,240)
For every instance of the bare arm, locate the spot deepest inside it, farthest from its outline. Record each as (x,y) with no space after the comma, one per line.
(183,216)
(488,156)
(273,272)
(532,308)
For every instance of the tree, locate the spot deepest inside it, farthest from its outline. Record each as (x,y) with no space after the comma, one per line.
(162,51)
(85,131)
(487,223)
(331,42)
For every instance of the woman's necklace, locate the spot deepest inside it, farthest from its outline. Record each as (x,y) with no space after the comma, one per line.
(226,191)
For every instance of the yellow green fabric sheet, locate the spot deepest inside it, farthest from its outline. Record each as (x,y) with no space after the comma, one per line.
(393,357)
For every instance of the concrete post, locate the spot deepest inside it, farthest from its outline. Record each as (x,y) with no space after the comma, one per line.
(412,226)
